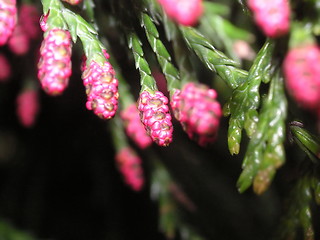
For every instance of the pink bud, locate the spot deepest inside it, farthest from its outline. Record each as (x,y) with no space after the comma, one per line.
(5,69)
(134,128)
(54,67)
(198,111)
(302,75)
(129,165)
(156,117)
(73,2)
(19,41)
(8,19)
(101,88)
(273,17)
(27,107)
(184,12)
(29,20)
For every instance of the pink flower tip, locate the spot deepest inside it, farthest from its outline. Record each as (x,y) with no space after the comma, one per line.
(156,117)
(198,111)
(184,12)
(134,127)
(101,88)
(73,2)
(27,107)
(129,164)
(54,67)
(5,69)
(273,17)
(8,19)
(302,75)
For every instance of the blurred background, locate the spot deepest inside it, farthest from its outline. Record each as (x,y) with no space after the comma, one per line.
(59,179)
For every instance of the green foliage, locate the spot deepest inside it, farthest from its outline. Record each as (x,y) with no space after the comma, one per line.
(146,80)
(245,100)
(163,56)
(298,213)
(213,59)
(265,152)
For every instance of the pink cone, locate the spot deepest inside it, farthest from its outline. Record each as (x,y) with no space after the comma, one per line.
(156,117)
(19,42)
(273,17)
(8,19)
(29,19)
(5,69)
(27,107)
(54,67)
(302,75)
(129,165)
(184,12)
(134,128)
(73,2)
(196,107)
(101,88)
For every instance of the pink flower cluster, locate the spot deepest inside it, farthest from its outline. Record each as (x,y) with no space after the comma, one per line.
(134,128)
(54,67)
(29,19)
(101,88)
(129,165)
(184,12)
(5,69)
(26,29)
(302,74)
(273,17)
(156,117)
(27,107)
(73,2)
(196,107)
(8,19)
(19,42)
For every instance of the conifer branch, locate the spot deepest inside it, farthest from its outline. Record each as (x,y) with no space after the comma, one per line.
(213,59)
(245,100)
(146,80)
(163,56)
(265,152)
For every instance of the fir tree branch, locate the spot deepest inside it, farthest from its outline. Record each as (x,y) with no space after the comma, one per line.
(118,135)
(265,152)
(55,18)
(187,74)
(163,56)
(160,182)
(126,98)
(309,143)
(146,80)
(213,59)
(79,27)
(245,100)
(299,211)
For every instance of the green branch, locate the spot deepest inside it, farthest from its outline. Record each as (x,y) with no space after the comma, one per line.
(118,135)
(245,100)
(265,152)
(79,27)
(299,211)
(213,59)
(163,56)
(55,18)
(146,80)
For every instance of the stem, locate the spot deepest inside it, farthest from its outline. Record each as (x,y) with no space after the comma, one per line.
(119,137)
